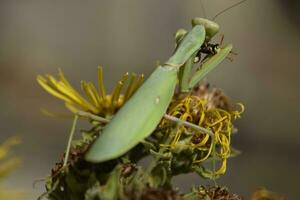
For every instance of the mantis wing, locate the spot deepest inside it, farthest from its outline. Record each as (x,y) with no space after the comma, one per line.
(137,118)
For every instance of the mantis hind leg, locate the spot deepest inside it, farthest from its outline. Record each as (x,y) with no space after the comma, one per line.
(70,141)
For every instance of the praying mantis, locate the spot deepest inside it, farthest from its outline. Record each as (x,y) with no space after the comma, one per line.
(141,114)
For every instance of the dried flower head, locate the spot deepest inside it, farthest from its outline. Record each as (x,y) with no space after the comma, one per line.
(97,101)
(214,97)
(209,109)
(215,193)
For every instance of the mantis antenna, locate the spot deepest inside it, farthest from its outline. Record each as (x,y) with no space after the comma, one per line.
(226,9)
(222,11)
(203,8)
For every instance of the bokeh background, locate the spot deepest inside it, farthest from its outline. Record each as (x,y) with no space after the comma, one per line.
(39,36)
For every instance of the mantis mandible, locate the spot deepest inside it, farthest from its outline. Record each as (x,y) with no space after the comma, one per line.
(138,118)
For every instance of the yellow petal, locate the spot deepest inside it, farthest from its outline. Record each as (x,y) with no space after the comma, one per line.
(101,82)
(43,82)
(89,93)
(71,107)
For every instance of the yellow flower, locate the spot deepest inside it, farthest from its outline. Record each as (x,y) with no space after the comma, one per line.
(97,101)
(210,110)
(6,166)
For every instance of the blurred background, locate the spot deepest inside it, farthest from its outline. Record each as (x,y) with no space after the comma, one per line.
(39,36)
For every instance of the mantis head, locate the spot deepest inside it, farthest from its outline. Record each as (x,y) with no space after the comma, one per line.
(211,28)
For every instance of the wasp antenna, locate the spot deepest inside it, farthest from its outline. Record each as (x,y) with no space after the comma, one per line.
(226,9)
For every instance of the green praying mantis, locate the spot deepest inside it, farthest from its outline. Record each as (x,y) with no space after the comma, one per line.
(139,116)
